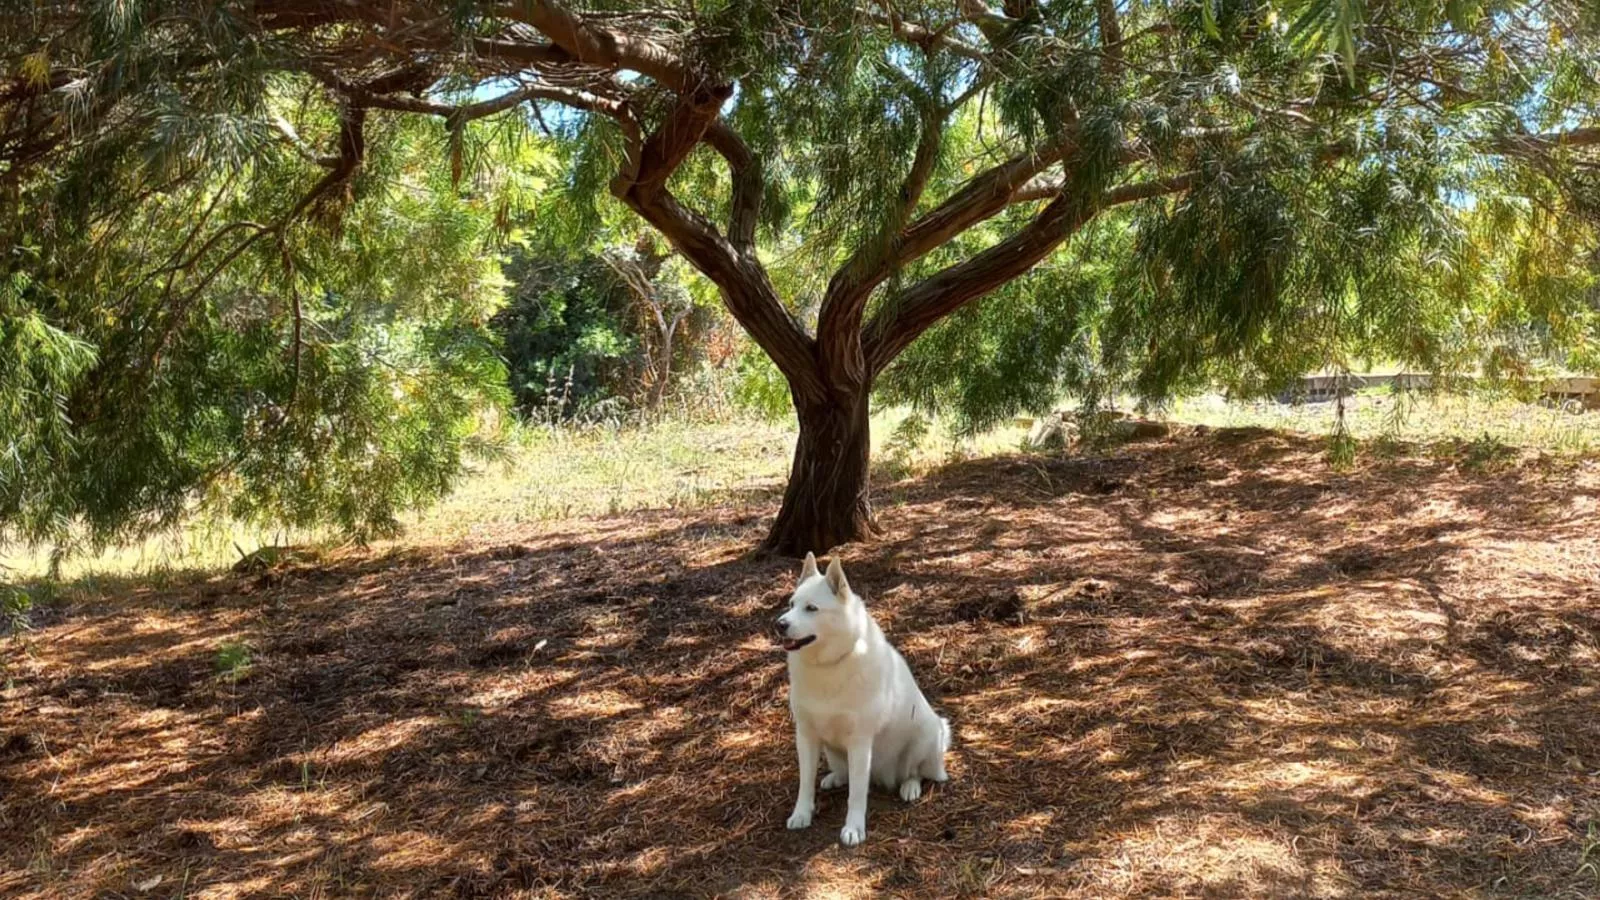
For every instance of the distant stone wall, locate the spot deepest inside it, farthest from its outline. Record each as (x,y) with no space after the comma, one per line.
(1584,391)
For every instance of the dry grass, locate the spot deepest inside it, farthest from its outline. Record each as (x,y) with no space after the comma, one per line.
(550,475)
(1379,414)
(1209,666)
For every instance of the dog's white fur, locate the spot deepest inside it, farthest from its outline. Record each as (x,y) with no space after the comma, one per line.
(854,699)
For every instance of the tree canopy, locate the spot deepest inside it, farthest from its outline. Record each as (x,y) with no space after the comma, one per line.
(1155,192)
(191,332)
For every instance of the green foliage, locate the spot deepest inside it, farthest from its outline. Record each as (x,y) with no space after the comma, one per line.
(200,349)
(899,452)
(1342,447)
(1018,351)
(1268,268)
(566,333)
(15,604)
(40,365)
(242,277)
(1589,858)
(759,387)
(234,660)
(1480,454)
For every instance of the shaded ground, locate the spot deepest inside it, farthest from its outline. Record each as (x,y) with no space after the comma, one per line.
(1204,667)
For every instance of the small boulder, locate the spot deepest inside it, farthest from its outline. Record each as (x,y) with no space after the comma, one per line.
(1050,434)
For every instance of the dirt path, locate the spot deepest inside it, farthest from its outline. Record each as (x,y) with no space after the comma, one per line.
(1204,667)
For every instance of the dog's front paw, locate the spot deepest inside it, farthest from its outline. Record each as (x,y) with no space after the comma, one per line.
(800,818)
(834,780)
(852,835)
(910,789)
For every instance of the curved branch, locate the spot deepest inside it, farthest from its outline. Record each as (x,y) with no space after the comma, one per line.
(979,199)
(745,208)
(924,37)
(365,95)
(523,52)
(1042,188)
(1110,37)
(949,289)
(593,45)
(1529,144)
(746,289)
(844,302)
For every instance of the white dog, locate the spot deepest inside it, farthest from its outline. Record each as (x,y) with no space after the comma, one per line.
(853,699)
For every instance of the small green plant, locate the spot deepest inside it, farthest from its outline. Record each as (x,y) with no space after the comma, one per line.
(1099,428)
(310,781)
(1342,445)
(15,604)
(1589,858)
(1342,449)
(1482,453)
(233,661)
(898,459)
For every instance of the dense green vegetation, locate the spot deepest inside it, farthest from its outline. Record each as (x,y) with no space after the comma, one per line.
(253,252)
(300,358)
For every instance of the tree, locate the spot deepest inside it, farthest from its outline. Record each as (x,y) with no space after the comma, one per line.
(664,303)
(1249,156)
(564,332)
(213,342)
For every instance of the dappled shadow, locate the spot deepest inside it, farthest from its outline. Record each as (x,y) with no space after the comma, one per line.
(1205,666)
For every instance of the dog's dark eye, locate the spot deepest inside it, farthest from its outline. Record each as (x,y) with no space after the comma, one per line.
(810,608)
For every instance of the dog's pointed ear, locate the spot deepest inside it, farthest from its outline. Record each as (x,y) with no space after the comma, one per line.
(809,568)
(836,579)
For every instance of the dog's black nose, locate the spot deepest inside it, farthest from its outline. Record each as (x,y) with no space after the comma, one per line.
(780,626)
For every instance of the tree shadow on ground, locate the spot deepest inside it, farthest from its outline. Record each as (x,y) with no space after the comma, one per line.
(1200,667)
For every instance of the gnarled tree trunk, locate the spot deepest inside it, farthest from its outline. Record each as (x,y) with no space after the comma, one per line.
(826,503)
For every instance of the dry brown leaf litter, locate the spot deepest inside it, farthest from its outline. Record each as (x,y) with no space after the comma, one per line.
(1207,667)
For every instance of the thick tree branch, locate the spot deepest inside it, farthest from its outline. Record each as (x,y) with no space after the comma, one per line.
(671,143)
(1041,188)
(604,48)
(924,37)
(729,262)
(924,304)
(745,167)
(365,95)
(995,26)
(844,302)
(523,52)
(983,196)
(1547,142)
(746,289)
(1110,37)
(944,292)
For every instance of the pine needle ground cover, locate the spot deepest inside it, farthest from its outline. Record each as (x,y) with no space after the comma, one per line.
(1204,666)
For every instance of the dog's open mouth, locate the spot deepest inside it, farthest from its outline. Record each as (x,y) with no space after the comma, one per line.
(797,643)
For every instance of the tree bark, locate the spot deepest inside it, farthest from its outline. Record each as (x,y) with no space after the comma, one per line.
(826,503)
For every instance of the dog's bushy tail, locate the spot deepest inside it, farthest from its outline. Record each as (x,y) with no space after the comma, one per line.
(944,734)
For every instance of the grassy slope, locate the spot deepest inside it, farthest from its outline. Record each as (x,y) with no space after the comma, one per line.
(557,474)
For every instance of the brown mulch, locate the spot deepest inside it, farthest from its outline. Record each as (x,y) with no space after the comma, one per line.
(1207,666)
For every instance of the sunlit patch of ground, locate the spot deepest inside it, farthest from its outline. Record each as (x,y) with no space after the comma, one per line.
(1209,666)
